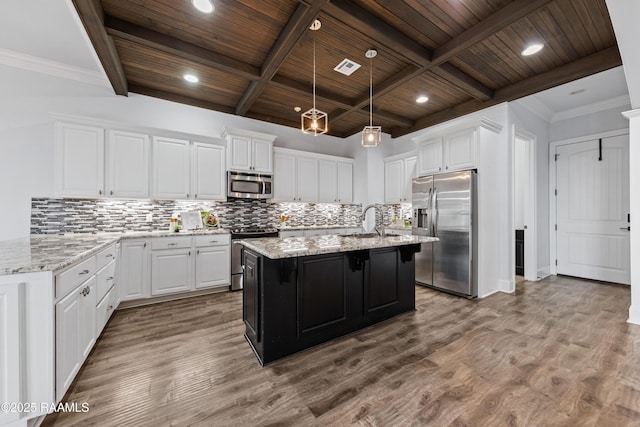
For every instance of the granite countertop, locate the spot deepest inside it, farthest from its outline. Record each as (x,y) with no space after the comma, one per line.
(43,252)
(290,247)
(312,227)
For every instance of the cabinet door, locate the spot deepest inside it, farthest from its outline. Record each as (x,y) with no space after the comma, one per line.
(239,152)
(261,156)
(127,164)
(307,182)
(409,173)
(393,181)
(68,340)
(327,181)
(11,329)
(88,304)
(170,168)
(134,270)
(79,160)
(284,177)
(460,150)
(429,157)
(213,266)
(251,296)
(208,174)
(345,182)
(171,271)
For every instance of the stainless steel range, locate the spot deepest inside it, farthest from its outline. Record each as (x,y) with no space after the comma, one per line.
(236,250)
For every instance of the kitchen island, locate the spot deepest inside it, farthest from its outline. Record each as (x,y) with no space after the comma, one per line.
(302,291)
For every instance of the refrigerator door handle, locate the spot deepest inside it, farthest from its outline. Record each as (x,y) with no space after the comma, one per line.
(434,212)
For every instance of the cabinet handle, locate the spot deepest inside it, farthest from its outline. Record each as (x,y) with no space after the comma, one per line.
(198,252)
(109,256)
(88,290)
(83,272)
(213,241)
(110,278)
(446,167)
(145,245)
(195,196)
(100,192)
(111,192)
(187,194)
(172,244)
(109,307)
(440,169)
(189,253)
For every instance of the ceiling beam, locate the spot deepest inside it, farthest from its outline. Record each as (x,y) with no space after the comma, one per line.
(178,48)
(288,39)
(92,17)
(484,29)
(583,67)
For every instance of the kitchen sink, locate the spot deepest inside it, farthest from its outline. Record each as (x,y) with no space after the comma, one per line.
(364,235)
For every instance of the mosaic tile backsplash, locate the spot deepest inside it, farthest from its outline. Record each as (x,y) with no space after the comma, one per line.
(61,216)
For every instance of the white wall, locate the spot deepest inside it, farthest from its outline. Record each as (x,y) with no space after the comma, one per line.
(26,132)
(525,120)
(590,124)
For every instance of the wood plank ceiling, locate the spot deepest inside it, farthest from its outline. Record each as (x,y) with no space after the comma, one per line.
(254,57)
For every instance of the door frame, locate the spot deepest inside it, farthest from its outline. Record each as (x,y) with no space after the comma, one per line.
(531,217)
(553,249)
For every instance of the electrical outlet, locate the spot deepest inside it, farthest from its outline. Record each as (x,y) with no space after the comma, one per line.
(149,217)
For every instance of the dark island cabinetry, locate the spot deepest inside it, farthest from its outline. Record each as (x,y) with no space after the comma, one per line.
(290,304)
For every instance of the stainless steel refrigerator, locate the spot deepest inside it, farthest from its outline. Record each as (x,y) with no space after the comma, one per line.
(444,206)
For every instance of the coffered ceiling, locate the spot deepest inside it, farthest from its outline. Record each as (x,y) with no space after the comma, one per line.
(254,58)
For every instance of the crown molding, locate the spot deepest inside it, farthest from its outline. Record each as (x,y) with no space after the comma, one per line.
(607,104)
(537,107)
(52,68)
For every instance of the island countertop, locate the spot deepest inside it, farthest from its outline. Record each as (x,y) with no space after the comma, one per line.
(276,248)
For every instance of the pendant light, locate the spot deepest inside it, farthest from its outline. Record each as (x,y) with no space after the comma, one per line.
(314,121)
(371,134)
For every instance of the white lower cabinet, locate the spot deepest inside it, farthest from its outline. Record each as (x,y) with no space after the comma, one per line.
(75,332)
(134,270)
(213,261)
(11,332)
(170,271)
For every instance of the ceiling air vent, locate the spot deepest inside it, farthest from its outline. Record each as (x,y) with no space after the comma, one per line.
(347,67)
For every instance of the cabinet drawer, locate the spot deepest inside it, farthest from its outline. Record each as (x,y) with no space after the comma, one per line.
(212,240)
(105,278)
(105,257)
(71,278)
(170,242)
(105,309)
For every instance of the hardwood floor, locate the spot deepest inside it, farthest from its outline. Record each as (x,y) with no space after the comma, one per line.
(556,353)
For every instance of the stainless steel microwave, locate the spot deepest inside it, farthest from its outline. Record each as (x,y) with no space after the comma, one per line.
(249,185)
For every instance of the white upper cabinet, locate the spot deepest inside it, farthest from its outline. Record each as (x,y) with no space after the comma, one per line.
(300,176)
(207,172)
(307,179)
(398,173)
(170,168)
(335,181)
(284,177)
(455,151)
(127,163)
(249,151)
(79,160)
(460,150)
(430,156)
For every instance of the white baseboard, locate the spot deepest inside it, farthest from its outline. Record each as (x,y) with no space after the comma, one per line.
(544,272)
(507,286)
(634,315)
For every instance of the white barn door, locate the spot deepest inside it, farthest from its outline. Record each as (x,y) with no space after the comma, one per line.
(592,207)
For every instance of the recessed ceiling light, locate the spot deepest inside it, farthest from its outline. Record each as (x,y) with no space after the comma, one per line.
(531,49)
(297,109)
(422,99)
(204,6)
(191,78)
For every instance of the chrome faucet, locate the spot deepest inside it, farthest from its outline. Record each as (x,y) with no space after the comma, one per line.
(378,209)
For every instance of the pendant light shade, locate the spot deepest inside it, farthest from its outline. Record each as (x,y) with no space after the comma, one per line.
(314,121)
(371,135)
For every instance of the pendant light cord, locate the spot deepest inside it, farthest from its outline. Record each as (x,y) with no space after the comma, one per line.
(370,92)
(314,77)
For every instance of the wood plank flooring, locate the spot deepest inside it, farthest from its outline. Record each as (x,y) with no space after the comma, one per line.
(556,353)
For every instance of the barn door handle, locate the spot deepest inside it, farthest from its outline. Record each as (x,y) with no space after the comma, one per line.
(625,228)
